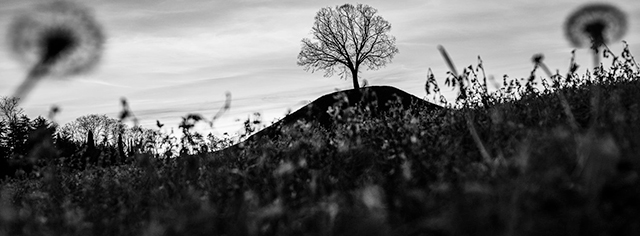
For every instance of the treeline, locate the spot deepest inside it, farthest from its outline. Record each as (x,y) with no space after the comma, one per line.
(93,140)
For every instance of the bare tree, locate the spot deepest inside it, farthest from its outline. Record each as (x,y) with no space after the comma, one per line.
(10,109)
(102,127)
(348,37)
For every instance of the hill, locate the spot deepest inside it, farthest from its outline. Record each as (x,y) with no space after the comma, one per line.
(377,98)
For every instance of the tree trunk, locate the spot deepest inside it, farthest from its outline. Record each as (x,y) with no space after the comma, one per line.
(356,85)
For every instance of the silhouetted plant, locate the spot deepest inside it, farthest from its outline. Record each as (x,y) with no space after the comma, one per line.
(40,144)
(18,135)
(67,148)
(58,39)
(121,154)
(538,62)
(462,82)
(595,25)
(91,154)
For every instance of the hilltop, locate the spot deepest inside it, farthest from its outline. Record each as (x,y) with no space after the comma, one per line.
(378,99)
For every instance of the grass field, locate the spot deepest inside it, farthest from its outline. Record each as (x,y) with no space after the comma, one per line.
(537,157)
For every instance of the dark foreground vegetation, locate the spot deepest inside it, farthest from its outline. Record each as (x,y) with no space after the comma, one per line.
(511,162)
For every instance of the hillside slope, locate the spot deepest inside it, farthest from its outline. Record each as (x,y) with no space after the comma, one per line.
(316,111)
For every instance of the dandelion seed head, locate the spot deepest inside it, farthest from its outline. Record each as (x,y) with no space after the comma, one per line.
(595,24)
(60,35)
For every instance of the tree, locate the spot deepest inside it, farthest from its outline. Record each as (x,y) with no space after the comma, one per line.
(18,136)
(103,128)
(67,148)
(91,153)
(15,127)
(5,150)
(10,109)
(40,145)
(348,37)
(121,154)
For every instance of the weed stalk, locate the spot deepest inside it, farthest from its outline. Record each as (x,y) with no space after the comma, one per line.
(468,117)
(563,100)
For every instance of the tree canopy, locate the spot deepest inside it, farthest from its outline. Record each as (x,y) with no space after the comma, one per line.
(348,38)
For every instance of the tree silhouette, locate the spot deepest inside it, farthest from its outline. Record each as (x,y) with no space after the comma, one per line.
(10,109)
(104,128)
(40,144)
(91,153)
(348,37)
(67,148)
(121,154)
(18,135)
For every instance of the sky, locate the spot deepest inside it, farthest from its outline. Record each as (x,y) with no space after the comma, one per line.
(169,58)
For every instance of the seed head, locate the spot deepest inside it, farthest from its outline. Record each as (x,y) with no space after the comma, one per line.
(595,25)
(60,38)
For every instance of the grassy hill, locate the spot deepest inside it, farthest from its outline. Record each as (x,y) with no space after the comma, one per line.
(374,97)
(378,99)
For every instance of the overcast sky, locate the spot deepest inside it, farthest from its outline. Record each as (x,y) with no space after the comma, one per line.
(172,57)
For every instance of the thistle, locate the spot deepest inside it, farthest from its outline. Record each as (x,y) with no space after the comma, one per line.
(56,39)
(595,25)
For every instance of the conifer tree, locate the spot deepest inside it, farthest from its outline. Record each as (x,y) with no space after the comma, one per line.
(90,154)
(121,153)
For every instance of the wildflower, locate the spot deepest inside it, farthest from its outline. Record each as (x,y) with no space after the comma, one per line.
(595,25)
(57,39)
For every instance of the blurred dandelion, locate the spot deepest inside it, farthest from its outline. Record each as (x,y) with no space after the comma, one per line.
(56,39)
(596,25)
